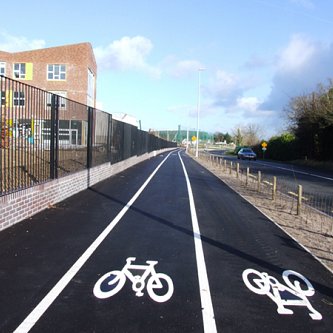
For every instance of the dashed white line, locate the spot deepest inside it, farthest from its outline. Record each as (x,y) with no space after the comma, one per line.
(44,304)
(205,295)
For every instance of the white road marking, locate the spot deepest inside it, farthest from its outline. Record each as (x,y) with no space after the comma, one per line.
(205,296)
(264,284)
(44,304)
(287,169)
(295,171)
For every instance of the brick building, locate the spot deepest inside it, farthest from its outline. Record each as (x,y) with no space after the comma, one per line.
(68,71)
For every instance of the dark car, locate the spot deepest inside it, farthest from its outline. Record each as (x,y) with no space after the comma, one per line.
(246,154)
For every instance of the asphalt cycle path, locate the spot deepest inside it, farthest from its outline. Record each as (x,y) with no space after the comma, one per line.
(164,246)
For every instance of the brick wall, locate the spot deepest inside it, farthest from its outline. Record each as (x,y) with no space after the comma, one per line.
(20,205)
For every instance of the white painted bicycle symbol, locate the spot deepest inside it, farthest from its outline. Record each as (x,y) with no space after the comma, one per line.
(159,285)
(290,294)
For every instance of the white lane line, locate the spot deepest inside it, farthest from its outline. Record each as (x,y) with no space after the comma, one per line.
(44,304)
(295,171)
(205,296)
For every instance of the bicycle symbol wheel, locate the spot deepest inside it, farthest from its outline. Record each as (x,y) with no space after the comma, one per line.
(256,281)
(109,284)
(295,283)
(161,282)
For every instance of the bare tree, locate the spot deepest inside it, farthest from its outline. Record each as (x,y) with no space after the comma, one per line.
(237,135)
(252,134)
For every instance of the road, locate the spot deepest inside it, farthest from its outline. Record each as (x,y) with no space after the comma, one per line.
(187,254)
(317,185)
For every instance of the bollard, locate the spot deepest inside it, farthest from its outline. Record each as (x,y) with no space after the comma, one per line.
(299,199)
(259,180)
(230,168)
(237,170)
(247,176)
(225,165)
(274,189)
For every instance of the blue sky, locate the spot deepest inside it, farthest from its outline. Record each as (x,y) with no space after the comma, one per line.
(257,54)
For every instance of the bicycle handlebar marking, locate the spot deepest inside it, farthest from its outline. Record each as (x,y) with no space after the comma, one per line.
(264,284)
(112,282)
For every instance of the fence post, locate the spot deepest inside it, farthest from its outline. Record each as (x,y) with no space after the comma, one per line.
(259,180)
(299,199)
(274,189)
(54,139)
(247,176)
(109,138)
(89,139)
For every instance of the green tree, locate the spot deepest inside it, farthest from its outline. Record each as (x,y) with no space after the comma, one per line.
(283,147)
(227,137)
(218,137)
(311,121)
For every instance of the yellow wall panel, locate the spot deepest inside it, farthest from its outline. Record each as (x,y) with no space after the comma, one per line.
(28,68)
(9,98)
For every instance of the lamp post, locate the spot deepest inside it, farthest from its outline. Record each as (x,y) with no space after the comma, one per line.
(198,110)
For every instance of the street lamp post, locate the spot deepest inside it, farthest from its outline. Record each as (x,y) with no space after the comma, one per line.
(198,110)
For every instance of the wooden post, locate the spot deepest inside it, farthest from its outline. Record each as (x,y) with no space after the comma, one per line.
(225,165)
(237,170)
(230,167)
(259,180)
(247,176)
(274,189)
(299,199)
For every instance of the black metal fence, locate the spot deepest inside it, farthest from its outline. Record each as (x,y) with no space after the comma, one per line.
(46,136)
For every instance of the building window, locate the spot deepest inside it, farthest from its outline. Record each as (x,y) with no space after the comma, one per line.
(62,98)
(19,71)
(56,72)
(18,98)
(3,98)
(2,68)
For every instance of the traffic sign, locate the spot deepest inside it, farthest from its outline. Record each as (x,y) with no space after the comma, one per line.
(264,145)
(194,138)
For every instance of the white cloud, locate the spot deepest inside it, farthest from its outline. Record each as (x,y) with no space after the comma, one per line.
(227,87)
(301,66)
(10,43)
(180,68)
(248,103)
(127,53)
(297,54)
